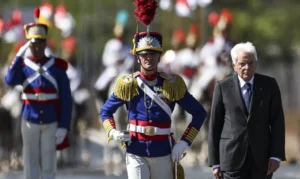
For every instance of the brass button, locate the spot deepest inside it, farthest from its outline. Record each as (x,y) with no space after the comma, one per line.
(41,111)
(148,101)
(149,110)
(41,122)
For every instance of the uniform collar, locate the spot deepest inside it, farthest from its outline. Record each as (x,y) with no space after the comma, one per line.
(149,77)
(38,61)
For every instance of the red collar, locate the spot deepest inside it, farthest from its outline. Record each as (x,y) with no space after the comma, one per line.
(149,77)
(38,61)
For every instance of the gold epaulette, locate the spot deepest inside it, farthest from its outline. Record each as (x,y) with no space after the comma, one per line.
(126,87)
(174,87)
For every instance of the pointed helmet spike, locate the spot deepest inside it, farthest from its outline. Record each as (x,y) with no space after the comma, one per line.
(145,10)
(36,14)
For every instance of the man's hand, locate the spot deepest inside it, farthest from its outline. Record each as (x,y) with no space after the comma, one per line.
(60,135)
(23,49)
(217,173)
(273,166)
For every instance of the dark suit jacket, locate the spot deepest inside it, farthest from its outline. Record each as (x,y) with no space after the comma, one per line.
(232,130)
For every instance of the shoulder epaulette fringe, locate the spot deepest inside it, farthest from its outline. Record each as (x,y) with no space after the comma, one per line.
(174,87)
(126,87)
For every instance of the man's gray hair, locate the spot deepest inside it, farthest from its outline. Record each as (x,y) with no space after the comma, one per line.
(247,47)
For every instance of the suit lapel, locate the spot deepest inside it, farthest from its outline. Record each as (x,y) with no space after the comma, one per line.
(237,94)
(256,96)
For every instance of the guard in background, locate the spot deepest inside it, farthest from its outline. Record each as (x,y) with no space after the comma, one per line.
(117,61)
(47,102)
(215,66)
(150,97)
(116,58)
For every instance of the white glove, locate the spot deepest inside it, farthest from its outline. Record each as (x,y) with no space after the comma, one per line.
(120,136)
(178,150)
(60,135)
(23,49)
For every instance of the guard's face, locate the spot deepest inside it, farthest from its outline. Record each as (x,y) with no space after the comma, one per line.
(38,48)
(245,65)
(149,61)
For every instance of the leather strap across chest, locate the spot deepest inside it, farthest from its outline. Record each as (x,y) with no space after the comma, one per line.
(39,71)
(154,96)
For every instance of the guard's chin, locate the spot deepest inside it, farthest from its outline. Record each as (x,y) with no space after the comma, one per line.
(247,77)
(150,67)
(38,55)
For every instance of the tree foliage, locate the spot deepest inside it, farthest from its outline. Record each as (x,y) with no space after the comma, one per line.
(273,28)
(272,25)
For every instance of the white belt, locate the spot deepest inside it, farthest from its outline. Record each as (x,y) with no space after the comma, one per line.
(39,96)
(149,130)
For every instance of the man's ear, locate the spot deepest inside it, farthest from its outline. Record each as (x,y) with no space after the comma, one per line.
(233,65)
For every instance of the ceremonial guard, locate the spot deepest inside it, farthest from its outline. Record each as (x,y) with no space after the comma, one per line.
(150,97)
(116,57)
(117,61)
(177,42)
(215,54)
(47,102)
(187,60)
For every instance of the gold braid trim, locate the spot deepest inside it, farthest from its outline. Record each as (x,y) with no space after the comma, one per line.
(174,87)
(123,87)
(108,125)
(191,133)
(179,171)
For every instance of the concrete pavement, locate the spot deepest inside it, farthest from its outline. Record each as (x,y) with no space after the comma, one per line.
(284,172)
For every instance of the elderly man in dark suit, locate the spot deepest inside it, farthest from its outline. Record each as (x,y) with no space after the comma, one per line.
(246,130)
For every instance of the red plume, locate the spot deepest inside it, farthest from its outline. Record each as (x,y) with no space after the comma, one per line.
(145,10)
(213,18)
(227,15)
(179,34)
(36,14)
